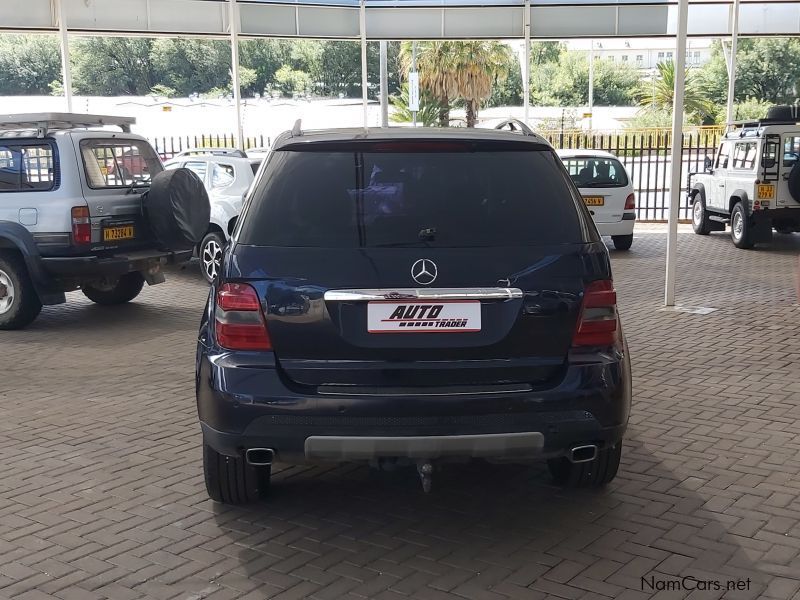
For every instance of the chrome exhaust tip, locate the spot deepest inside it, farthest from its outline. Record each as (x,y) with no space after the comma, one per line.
(581,454)
(259,457)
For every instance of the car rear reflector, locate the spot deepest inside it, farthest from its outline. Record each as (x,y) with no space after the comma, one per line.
(239,324)
(630,202)
(81,225)
(597,325)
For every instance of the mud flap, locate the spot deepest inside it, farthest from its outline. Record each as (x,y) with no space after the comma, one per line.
(761,230)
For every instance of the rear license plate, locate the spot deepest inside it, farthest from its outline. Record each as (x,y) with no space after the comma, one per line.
(765,192)
(114,234)
(594,200)
(453,316)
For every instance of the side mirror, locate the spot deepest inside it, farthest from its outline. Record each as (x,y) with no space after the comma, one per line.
(232,226)
(768,163)
(707,164)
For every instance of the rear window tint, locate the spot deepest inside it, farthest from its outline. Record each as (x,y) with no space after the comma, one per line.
(596,172)
(381,198)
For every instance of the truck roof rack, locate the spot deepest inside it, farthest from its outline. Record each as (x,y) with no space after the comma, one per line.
(753,127)
(43,123)
(212,152)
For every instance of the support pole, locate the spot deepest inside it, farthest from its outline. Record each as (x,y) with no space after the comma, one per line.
(591,83)
(65,67)
(237,91)
(384,84)
(414,70)
(526,68)
(732,60)
(363,29)
(677,152)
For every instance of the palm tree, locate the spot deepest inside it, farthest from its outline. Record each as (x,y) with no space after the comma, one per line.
(455,69)
(659,94)
(428,113)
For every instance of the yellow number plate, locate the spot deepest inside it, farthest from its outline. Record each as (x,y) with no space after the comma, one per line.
(113,234)
(594,200)
(765,192)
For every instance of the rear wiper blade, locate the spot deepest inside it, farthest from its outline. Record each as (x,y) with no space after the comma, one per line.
(410,244)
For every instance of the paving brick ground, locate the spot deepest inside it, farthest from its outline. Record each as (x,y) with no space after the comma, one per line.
(101,493)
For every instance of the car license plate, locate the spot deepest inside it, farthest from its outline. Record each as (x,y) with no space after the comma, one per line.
(765,192)
(594,200)
(114,234)
(417,316)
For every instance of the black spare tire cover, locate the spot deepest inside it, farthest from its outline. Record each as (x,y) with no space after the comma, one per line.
(794,181)
(178,209)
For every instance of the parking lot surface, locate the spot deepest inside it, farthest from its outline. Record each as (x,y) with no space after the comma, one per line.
(102,496)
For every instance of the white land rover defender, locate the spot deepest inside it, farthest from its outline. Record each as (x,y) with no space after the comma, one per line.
(753,182)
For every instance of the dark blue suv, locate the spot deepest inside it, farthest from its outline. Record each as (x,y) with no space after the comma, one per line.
(411,296)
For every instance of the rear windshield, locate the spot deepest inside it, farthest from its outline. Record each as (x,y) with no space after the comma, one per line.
(596,172)
(113,162)
(385,198)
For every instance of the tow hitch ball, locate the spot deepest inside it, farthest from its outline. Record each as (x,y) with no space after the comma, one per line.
(425,470)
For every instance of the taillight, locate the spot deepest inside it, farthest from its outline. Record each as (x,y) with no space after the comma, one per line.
(239,322)
(630,202)
(597,325)
(81,225)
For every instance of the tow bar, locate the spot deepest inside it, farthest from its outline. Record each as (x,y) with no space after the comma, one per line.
(425,470)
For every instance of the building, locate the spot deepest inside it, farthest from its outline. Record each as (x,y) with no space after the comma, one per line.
(643,53)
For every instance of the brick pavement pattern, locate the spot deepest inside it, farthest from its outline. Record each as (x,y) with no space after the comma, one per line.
(101,490)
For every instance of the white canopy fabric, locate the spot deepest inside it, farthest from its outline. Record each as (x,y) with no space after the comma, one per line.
(402,19)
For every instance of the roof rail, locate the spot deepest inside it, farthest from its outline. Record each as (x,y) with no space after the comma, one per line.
(297,130)
(212,152)
(515,125)
(42,123)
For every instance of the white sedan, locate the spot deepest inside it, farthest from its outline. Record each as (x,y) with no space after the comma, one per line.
(607,191)
(227,178)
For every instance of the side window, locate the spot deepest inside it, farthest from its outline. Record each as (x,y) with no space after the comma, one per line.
(222,176)
(722,156)
(26,167)
(744,155)
(791,150)
(200,169)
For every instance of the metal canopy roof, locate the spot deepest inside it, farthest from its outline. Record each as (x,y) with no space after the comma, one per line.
(401,19)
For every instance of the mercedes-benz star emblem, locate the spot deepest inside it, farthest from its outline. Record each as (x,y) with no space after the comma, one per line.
(424,271)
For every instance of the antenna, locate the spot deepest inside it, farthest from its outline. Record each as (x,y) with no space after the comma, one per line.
(297,130)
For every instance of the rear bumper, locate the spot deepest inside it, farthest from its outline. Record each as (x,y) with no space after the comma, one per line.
(590,404)
(105,266)
(623,227)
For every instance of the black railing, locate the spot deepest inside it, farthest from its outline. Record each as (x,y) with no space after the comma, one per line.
(645,154)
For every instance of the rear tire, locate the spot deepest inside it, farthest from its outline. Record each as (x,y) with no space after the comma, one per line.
(19,302)
(230,480)
(126,288)
(593,474)
(741,231)
(701,224)
(622,242)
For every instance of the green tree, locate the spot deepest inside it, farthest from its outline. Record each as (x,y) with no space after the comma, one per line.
(463,70)
(766,69)
(190,65)
(660,94)
(113,66)
(427,115)
(288,81)
(566,82)
(28,64)
(264,57)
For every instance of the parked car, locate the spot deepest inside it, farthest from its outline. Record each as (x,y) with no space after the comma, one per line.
(411,295)
(227,178)
(69,220)
(607,191)
(753,182)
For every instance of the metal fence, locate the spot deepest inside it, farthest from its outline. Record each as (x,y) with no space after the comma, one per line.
(645,154)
